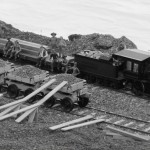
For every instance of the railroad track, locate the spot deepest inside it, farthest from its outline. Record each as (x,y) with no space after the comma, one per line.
(126,123)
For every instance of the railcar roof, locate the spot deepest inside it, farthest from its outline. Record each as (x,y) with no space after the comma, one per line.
(134,54)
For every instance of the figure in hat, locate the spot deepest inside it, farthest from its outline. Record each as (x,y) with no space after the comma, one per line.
(53,41)
(8,47)
(62,46)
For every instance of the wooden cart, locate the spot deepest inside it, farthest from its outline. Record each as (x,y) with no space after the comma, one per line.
(70,94)
(22,85)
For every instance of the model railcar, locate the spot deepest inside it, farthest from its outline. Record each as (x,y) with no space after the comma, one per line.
(129,67)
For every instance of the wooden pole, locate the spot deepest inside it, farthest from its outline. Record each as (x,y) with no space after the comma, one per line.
(28,96)
(82,124)
(36,104)
(128,134)
(71,122)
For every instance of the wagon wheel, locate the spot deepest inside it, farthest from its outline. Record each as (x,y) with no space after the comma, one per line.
(127,85)
(50,102)
(138,88)
(83,101)
(67,104)
(3,87)
(39,96)
(12,91)
(27,92)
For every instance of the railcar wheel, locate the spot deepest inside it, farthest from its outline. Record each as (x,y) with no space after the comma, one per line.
(83,101)
(3,87)
(50,102)
(39,96)
(27,92)
(138,88)
(13,91)
(67,104)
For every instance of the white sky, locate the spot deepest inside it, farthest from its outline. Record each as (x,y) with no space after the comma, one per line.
(117,17)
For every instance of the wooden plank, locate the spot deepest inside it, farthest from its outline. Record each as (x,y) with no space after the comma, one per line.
(24,115)
(128,134)
(107,132)
(119,121)
(32,116)
(110,119)
(128,124)
(83,124)
(141,125)
(8,110)
(101,117)
(16,109)
(71,122)
(36,104)
(147,129)
(28,96)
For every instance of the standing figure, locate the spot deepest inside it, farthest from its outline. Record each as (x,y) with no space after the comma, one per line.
(53,41)
(8,47)
(54,60)
(15,50)
(61,45)
(42,56)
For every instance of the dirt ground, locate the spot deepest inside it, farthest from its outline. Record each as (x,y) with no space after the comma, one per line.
(37,136)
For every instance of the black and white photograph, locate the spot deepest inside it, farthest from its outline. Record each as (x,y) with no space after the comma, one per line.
(75,75)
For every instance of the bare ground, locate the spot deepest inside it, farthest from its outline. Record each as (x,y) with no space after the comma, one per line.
(37,136)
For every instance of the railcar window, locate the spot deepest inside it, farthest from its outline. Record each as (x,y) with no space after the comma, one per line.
(135,67)
(129,65)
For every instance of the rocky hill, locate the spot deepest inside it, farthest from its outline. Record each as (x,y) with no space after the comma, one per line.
(75,42)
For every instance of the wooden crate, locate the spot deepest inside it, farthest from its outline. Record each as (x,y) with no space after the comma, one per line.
(33,80)
(70,88)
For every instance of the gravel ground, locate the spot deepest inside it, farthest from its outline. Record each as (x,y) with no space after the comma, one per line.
(37,136)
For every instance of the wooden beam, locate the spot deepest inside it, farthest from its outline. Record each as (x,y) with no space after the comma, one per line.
(8,110)
(132,135)
(24,115)
(32,116)
(83,124)
(28,96)
(36,104)
(71,122)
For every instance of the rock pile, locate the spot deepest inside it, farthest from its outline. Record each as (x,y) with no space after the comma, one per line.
(105,43)
(101,42)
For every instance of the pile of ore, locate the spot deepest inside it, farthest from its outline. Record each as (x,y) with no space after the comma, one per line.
(2,63)
(27,71)
(100,42)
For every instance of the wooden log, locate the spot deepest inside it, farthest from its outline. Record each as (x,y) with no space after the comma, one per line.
(36,104)
(83,124)
(28,96)
(71,122)
(128,134)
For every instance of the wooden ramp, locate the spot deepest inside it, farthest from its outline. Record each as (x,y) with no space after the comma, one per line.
(31,110)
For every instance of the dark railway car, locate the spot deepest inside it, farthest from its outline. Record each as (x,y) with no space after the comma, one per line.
(128,68)
(99,70)
(136,69)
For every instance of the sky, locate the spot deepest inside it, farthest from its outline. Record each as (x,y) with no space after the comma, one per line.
(130,18)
